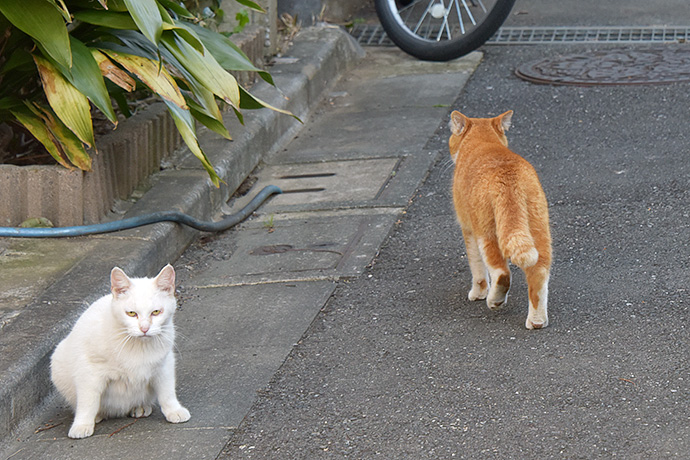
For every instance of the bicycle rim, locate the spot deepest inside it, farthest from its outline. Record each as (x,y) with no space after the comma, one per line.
(442,29)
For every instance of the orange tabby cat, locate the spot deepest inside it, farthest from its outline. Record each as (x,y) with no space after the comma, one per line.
(503,213)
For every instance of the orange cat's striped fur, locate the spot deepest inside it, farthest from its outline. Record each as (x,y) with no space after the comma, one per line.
(503,213)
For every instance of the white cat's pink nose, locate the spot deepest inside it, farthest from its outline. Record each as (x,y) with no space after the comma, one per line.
(144,327)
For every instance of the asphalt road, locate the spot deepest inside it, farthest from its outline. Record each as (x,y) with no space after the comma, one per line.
(401,365)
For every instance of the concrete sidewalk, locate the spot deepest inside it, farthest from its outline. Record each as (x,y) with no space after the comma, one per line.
(46,283)
(248,295)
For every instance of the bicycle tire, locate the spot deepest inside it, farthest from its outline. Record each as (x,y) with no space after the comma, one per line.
(443,49)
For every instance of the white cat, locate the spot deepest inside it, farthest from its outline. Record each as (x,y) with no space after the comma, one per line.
(118,359)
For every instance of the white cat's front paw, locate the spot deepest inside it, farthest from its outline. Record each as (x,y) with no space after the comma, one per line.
(81,431)
(178,415)
(141,411)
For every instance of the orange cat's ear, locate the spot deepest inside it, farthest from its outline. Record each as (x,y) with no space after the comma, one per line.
(505,120)
(458,122)
(119,283)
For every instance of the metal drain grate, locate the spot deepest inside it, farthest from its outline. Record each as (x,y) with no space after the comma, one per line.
(529,35)
(370,35)
(374,35)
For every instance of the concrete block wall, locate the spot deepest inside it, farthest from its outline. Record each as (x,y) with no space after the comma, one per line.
(40,191)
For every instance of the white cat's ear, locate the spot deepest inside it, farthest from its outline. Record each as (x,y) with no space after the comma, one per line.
(119,282)
(165,281)
(458,122)
(506,120)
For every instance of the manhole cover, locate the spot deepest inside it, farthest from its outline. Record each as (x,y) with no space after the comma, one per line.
(611,67)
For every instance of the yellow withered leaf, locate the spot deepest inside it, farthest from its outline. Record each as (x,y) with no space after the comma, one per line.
(69,104)
(67,142)
(152,75)
(36,126)
(113,72)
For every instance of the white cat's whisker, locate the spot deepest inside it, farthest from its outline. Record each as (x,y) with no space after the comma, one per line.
(178,335)
(177,349)
(123,333)
(123,343)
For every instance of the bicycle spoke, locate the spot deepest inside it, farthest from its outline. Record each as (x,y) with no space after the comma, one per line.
(444,24)
(462,24)
(421,20)
(469,13)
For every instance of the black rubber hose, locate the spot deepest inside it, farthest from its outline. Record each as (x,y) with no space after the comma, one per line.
(132,222)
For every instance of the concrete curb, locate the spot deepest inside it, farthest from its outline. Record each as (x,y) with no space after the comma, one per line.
(316,60)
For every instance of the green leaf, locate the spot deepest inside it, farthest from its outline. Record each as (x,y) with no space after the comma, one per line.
(214,124)
(121,101)
(87,78)
(112,5)
(226,52)
(239,115)
(44,23)
(70,105)
(187,35)
(242,18)
(115,5)
(185,125)
(17,71)
(178,9)
(206,99)
(110,19)
(133,42)
(203,67)
(62,8)
(147,17)
(247,101)
(18,58)
(252,5)
(8,103)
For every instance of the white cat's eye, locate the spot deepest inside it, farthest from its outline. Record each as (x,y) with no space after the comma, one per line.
(156,312)
(131,313)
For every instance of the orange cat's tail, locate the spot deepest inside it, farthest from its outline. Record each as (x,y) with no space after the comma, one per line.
(512,229)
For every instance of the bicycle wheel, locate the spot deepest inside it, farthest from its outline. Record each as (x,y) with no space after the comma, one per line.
(441,30)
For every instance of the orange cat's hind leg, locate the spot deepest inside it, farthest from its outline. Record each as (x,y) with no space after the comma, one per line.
(499,273)
(480,282)
(538,289)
